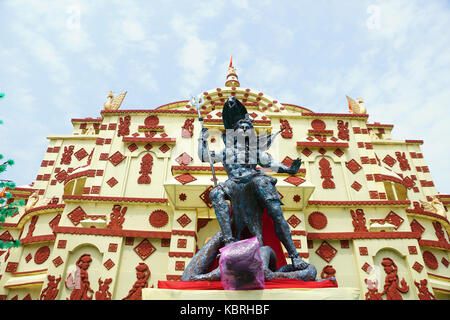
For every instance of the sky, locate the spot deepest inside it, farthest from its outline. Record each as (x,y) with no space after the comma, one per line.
(59,60)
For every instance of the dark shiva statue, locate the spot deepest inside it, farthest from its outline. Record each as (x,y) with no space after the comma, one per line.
(241,200)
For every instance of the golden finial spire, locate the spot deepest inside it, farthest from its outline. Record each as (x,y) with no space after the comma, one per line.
(232,78)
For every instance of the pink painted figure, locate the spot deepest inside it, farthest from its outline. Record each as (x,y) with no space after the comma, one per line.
(81,293)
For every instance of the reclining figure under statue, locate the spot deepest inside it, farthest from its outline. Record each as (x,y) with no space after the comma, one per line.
(250,192)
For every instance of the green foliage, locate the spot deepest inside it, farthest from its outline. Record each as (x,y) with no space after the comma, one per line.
(7,210)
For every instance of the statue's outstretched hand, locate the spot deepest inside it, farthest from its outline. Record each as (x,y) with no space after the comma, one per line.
(295,166)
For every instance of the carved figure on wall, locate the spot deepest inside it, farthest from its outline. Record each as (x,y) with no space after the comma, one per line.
(402,161)
(424,293)
(372,290)
(81,291)
(146,169)
(392,287)
(66,157)
(343,132)
(187,130)
(117,217)
(251,193)
(50,292)
(326,174)
(286,129)
(103,289)
(124,126)
(328,272)
(142,275)
(358,220)
(439,232)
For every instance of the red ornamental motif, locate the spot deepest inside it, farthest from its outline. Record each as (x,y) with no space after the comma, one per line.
(80,154)
(296,181)
(353,166)
(326,174)
(392,287)
(116,158)
(103,290)
(32,226)
(317,220)
(402,161)
(439,232)
(142,275)
(151,121)
(51,291)
(286,129)
(326,251)
(343,132)
(42,255)
(306,152)
(61,176)
(109,264)
(182,197)
(424,293)
(327,272)
(359,221)
(159,218)
(146,169)
(184,220)
(187,130)
(81,293)
(205,196)
(394,219)
(418,267)
(430,260)
(389,160)
(117,217)
(144,249)
(164,148)
(372,287)
(66,157)
(184,159)
(11,267)
(356,185)
(124,126)
(112,182)
(318,125)
(293,221)
(408,183)
(77,215)
(417,227)
(58,261)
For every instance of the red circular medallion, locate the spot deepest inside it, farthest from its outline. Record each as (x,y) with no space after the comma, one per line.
(318,125)
(151,121)
(41,255)
(430,260)
(159,218)
(317,220)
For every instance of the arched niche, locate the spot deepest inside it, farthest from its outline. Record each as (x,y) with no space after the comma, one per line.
(94,270)
(395,275)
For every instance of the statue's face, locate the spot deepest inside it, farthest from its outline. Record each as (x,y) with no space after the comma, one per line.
(243,126)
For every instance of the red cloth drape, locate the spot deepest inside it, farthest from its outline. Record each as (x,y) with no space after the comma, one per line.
(270,284)
(269,239)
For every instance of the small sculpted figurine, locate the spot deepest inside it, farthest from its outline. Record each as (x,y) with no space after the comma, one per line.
(250,192)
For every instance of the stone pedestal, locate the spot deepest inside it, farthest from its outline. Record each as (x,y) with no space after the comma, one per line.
(268,294)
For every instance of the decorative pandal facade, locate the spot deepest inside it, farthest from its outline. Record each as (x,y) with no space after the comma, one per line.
(125,198)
